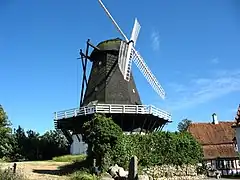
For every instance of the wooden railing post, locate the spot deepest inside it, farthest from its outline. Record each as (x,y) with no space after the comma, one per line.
(109,108)
(150,109)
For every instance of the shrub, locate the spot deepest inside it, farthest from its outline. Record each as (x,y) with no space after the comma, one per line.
(70,158)
(82,175)
(157,149)
(108,144)
(101,134)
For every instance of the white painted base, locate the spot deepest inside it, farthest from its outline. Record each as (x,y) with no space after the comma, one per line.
(78,147)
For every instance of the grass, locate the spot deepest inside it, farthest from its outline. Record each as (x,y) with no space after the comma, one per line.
(9,175)
(82,175)
(69,158)
(75,169)
(70,167)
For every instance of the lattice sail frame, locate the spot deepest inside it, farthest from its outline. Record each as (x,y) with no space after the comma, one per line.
(127,54)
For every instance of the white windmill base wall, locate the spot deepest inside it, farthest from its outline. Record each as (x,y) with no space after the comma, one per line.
(78,147)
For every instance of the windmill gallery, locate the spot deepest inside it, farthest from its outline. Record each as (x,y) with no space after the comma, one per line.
(111,90)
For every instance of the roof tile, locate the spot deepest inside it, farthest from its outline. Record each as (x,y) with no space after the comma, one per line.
(209,134)
(216,139)
(219,151)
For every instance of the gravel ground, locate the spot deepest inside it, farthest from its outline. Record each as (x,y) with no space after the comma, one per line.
(45,170)
(42,170)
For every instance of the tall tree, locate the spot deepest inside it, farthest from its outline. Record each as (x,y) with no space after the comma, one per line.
(19,142)
(5,133)
(54,143)
(33,143)
(101,134)
(31,146)
(183,125)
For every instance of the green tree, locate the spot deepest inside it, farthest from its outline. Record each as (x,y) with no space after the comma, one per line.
(101,134)
(183,125)
(18,142)
(5,134)
(54,143)
(30,145)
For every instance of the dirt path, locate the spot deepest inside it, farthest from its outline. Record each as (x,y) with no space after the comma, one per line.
(42,170)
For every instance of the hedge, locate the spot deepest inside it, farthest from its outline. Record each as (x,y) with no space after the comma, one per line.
(111,146)
(157,149)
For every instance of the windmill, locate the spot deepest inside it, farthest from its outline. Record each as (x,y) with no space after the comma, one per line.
(110,89)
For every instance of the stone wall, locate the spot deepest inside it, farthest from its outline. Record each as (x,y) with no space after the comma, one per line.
(172,172)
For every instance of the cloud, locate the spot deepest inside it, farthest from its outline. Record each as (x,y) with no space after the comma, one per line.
(215,61)
(202,90)
(155,38)
(178,88)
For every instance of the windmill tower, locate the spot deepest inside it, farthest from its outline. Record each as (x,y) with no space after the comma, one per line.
(111,90)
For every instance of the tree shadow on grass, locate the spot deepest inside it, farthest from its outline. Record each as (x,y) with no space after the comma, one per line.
(66,169)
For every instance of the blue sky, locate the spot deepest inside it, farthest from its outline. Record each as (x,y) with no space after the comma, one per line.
(192,47)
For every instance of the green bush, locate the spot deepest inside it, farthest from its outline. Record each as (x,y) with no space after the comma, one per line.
(82,175)
(108,144)
(101,134)
(70,158)
(9,175)
(2,160)
(157,149)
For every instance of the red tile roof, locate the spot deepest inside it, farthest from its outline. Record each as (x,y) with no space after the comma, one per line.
(216,139)
(209,134)
(222,151)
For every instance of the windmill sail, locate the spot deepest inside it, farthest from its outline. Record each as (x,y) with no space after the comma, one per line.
(125,59)
(138,60)
(122,57)
(113,21)
(127,54)
(135,31)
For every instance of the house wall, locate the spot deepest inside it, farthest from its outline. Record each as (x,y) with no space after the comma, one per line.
(238,138)
(227,167)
